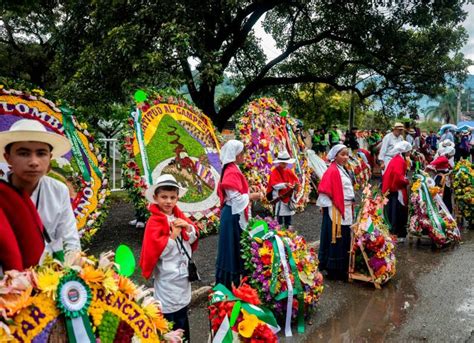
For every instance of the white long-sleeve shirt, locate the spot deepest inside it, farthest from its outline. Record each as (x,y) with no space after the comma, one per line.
(387,149)
(171,283)
(55,210)
(348,191)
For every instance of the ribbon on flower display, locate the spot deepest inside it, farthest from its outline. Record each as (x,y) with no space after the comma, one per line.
(78,149)
(280,249)
(74,298)
(432,213)
(224,333)
(137,119)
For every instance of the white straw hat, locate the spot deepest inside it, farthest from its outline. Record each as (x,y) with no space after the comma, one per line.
(28,130)
(284,157)
(163,180)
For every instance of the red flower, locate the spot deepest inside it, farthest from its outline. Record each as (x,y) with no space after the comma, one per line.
(246,293)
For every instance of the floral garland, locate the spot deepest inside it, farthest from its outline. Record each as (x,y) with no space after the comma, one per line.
(31,302)
(429,215)
(372,233)
(464,189)
(90,201)
(134,182)
(360,170)
(265,131)
(239,309)
(261,255)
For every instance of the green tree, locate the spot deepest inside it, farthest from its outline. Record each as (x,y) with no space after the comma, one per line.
(102,50)
(446,109)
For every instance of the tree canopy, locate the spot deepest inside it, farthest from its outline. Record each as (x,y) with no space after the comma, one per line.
(95,53)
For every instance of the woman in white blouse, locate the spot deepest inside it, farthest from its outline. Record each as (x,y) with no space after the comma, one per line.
(233,192)
(336,197)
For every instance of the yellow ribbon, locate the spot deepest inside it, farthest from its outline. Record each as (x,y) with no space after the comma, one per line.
(336,225)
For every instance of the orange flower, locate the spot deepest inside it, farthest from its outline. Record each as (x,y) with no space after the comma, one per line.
(14,303)
(91,275)
(127,286)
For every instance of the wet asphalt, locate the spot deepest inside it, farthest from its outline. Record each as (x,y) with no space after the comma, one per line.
(430,299)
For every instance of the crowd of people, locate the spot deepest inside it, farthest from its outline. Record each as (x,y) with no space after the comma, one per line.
(170,237)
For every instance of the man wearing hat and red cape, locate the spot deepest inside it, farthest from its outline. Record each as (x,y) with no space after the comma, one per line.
(282,184)
(36,210)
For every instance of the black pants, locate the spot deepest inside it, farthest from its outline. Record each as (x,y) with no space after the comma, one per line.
(284,220)
(180,320)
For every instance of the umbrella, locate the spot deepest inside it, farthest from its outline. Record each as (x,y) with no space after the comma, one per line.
(466,125)
(447,127)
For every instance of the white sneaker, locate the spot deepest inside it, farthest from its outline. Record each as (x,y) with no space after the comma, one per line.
(133,222)
(140,225)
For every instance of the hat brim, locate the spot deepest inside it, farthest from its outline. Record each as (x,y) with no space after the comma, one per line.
(289,161)
(150,192)
(60,144)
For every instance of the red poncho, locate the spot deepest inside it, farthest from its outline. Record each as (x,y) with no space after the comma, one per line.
(279,175)
(394,179)
(331,185)
(157,234)
(21,230)
(232,179)
(441,163)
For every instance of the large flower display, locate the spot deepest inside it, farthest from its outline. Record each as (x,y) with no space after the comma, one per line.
(464,190)
(373,248)
(236,316)
(83,298)
(167,135)
(83,169)
(429,215)
(283,269)
(265,129)
(360,170)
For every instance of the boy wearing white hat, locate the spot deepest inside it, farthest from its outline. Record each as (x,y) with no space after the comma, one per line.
(27,147)
(282,184)
(170,238)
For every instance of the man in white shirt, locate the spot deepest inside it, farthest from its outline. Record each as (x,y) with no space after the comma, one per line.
(28,149)
(388,144)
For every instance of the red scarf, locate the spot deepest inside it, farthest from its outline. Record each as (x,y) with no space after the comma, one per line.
(233,179)
(21,230)
(331,185)
(279,175)
(157,234)
(441,163)
(394,179)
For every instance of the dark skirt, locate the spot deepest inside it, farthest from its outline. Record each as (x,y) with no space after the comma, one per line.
(397,215)
(334,258)
(229,264)
(447,194)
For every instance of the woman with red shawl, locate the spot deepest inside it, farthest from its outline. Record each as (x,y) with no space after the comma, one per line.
(233,192)
(442,166)
(336,196)
(395,184)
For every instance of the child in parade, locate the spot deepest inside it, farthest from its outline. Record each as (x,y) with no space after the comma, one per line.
(336,197)
(234,195)
(28,148)
(168,243)
(395,184)
(282,184)
(442,166)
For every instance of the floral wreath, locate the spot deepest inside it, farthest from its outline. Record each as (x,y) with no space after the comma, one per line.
(372,233)
(265,129)
(82,292)
(464,189)
(92,190)
(134,182)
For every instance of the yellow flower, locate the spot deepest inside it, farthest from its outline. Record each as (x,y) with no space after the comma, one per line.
(91,275)
(48,280)
(110,284)
(264,251)
(37,91)
(248,325)
(127,286)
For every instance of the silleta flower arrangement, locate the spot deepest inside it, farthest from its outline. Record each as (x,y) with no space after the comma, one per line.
(360,170)
(265,129)
(464,190)
(283,269)
(82,294)
(429,215)
(236,316)
(83,169)
(167,135)
(373,247)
